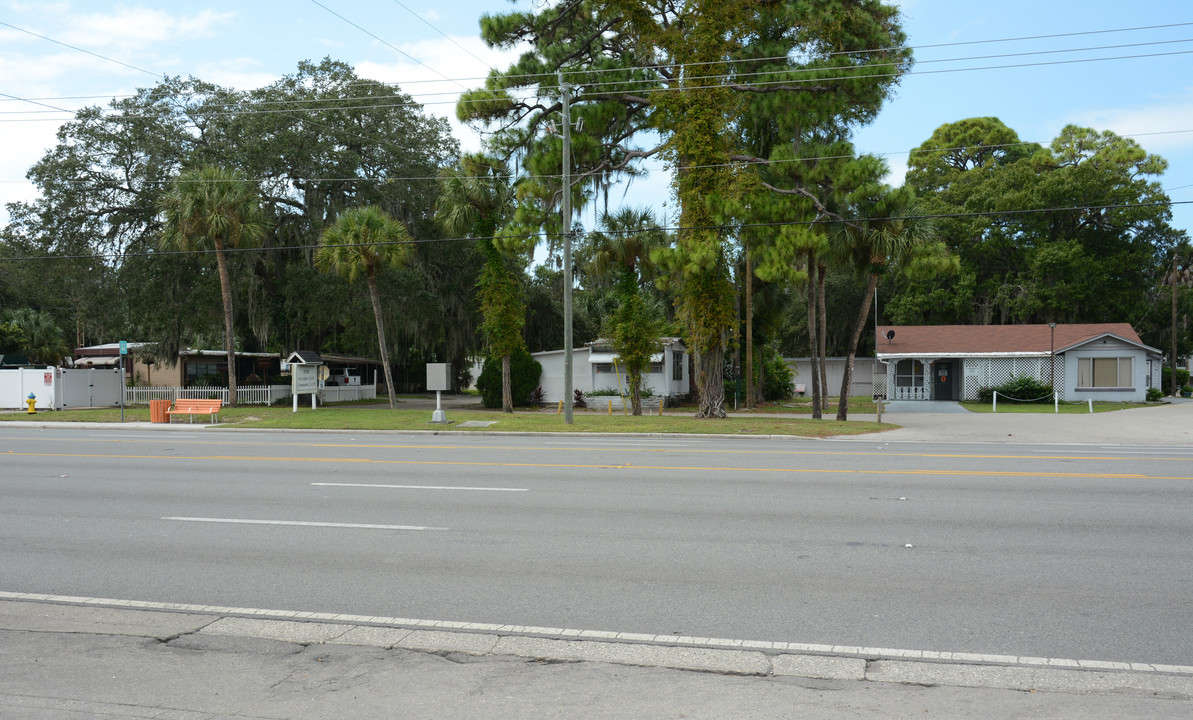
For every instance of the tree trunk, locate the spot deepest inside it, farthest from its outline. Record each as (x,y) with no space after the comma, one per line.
(221,262)
(822,330)
(709,371)
(847,378)
(812,335)
(635,380)
(507,395)
(389,376)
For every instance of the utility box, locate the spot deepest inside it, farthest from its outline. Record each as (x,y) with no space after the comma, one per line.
(439,376)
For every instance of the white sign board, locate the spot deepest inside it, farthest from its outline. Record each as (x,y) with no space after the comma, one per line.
(439,376)
(304,379)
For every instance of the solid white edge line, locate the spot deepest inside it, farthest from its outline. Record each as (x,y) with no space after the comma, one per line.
(566,634)
(242,521)
(421,487)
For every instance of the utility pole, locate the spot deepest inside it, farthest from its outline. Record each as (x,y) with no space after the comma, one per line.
(749,330)
(565,93)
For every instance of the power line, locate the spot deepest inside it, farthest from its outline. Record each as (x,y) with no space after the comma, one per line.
(445,35)
(675,228)
(383,42)
(72,47)
(734,163)
(727,61)
(659,88)
(681,88)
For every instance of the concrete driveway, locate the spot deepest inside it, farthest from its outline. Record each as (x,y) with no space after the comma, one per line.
(1166,424)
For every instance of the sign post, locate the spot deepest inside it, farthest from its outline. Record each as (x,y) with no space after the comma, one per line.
(123,352)
(439,378)
(305,369)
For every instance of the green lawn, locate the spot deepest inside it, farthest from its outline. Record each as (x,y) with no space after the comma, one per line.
(801,405)
(1005,406)
(382,418)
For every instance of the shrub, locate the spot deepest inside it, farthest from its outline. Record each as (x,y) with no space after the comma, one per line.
(778,383)
(1154,394)
(1182,378)
(525,372)
(1023,389)
(537,397)
(578,398)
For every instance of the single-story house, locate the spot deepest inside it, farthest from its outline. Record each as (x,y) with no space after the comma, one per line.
(596,367)
(210,367)
(1103,361)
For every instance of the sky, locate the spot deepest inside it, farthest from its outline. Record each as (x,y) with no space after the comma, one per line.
(1038,65)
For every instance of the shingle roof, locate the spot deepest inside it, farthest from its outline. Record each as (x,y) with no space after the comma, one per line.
(994,339)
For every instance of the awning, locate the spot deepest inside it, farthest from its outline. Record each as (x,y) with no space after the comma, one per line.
(609,357)
(102,361)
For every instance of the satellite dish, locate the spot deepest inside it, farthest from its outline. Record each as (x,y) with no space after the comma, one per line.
(890,335)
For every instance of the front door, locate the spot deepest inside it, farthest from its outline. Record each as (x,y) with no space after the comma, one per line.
(944,379)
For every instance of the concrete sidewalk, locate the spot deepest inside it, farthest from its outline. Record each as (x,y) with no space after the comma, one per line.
(1165,424)
(64,660)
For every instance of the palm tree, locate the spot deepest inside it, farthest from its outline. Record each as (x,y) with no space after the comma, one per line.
(621,252)
(475,199)
(43,341)
(214,208)
(363,241)
(890,234)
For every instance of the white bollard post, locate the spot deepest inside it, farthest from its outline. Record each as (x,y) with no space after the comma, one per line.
(995,401)
(1055,402)
(1091,405)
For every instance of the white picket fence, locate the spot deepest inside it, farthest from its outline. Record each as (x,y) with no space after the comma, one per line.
(246,395)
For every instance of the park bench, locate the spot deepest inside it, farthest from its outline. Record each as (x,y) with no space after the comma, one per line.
(186,406)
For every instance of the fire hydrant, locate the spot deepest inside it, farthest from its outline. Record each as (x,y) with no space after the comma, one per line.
(31,401)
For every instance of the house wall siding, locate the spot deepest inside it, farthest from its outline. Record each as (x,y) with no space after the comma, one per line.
(1139,373)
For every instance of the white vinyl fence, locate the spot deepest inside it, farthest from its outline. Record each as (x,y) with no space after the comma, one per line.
(58,389)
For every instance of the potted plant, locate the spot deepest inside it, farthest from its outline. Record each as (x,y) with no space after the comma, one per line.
(1187,391)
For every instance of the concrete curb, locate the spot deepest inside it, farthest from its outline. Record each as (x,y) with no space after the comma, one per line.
(176,621)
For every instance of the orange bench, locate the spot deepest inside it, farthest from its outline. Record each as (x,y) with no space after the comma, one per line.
(196,407)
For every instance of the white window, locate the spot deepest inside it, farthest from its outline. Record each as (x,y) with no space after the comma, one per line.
(909,373)
(1105,372)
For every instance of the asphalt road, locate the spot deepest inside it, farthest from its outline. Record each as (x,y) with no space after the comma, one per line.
(1065,552)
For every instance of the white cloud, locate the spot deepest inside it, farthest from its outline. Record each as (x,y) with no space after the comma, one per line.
(134,29)
(243,73)
(1140,122)
(427,84)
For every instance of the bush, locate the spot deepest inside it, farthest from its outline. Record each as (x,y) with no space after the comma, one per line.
(1023,389)
(578,400)
(1182,378)
(1154,394)
(778,383)
(525,372)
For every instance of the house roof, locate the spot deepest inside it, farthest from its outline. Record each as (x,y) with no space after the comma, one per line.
(997,340)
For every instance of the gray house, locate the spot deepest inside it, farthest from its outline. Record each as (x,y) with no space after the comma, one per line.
(1105,361)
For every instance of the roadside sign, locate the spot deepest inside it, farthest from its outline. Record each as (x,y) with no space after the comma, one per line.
(124,347)
(304,379)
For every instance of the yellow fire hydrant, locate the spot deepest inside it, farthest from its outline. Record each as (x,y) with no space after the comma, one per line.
(31,401)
